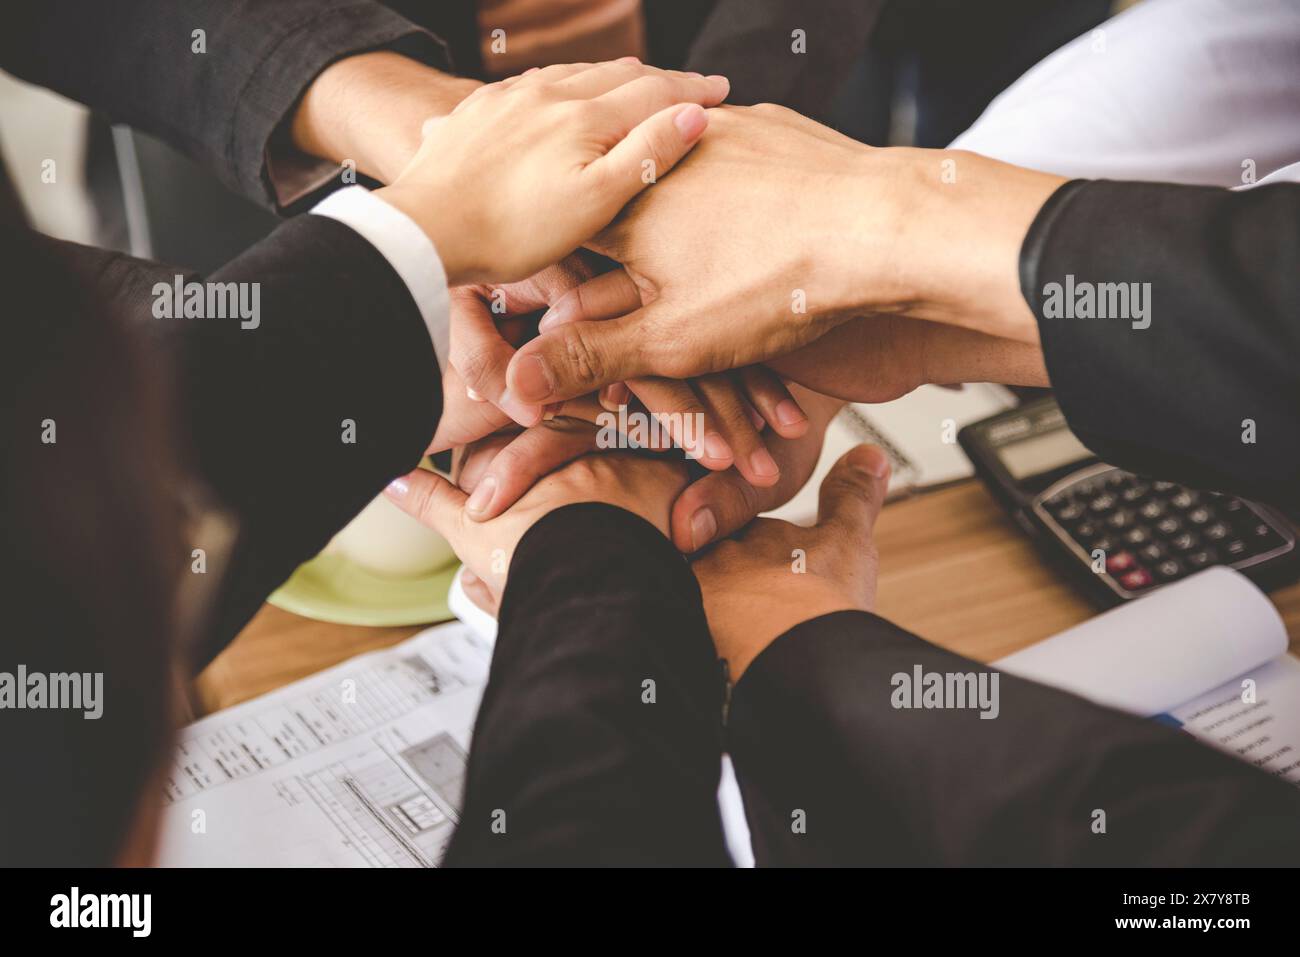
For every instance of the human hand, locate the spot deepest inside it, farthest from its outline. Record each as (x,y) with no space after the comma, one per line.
(726,413)
(773,575)
(776,230)
(641,485)
(369,109)
(525,170)
(881,358)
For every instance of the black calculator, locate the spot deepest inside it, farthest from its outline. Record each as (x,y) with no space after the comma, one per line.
(1119,535)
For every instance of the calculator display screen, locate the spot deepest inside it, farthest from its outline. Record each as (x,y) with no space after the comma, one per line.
(1041,453)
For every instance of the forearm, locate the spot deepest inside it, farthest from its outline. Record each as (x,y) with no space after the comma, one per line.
(889,781)
(369,109)
(945,244)
(216,79)
(599,736)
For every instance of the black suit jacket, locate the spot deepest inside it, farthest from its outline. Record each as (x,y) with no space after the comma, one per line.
(600,734)
(1209,393)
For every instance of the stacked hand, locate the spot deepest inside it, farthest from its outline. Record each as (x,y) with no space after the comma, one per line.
(779,252)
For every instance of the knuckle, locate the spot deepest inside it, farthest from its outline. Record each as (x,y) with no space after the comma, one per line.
(582,357)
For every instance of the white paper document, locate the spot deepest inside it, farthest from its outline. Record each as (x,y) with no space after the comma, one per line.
(1206,655)
(360,765)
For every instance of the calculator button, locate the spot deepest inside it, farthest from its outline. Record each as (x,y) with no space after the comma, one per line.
(1135,493)
(1069,512)
(1200,515)
(1086,531)
(1153,509)
(1169,526)
(1184,541)
(1104,542)
(1102,503)
(1169,569)
(1202,558)
(1183,499)
(1235,548)
(1164,486)
(1137,579)
(1138,536)
(1233,508)
(1121,562)
(1217,532)
(1118,521)
(1153,552)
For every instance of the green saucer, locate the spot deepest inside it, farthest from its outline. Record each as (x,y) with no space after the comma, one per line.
(332,588)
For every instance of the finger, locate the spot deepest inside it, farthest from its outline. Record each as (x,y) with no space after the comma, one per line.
(769,395)
(646,153)
(608,296)
(534,453)
(478,592)
(431,499)
(481,356)
(679,412)
(714,507)
(602,77)
(580,357)
(639,96)
(719,504)
(729,412)
(548,76)
(853,492)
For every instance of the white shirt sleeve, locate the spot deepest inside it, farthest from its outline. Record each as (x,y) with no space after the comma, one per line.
(1182,91)
(408,250)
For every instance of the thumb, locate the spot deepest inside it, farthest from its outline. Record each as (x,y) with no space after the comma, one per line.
(853,492)
(575,358)
(432,500)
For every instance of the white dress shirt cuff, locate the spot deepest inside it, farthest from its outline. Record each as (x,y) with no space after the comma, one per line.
(408,250)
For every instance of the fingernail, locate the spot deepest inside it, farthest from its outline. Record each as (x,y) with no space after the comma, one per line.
(474,396)
(716,447)
(629,59)
(703,527)
(398,488)
(690,121)
(763,464)
(558,314)
(875,461)
(523,413)
(467,578)
(482,496)
(719,78)
(755,417)
(533,380)
(613,397)
(789,413)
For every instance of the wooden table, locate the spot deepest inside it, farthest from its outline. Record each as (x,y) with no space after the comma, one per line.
(954,569)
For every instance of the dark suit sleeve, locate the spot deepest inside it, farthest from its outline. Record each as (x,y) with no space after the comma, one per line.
(599,737)
(135,61)
(262,412)
(813,729)
(753,43)
(1209,392)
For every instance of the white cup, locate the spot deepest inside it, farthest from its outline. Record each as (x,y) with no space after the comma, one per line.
(386,541)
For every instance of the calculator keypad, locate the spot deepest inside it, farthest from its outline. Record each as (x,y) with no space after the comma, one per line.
(1153,533)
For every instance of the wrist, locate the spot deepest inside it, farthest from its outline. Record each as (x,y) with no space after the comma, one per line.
(747,625)
(434,211)
(946,245)
(369,109)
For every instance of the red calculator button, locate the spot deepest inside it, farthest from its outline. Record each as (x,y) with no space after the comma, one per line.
(1121,562)
(1137,579)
